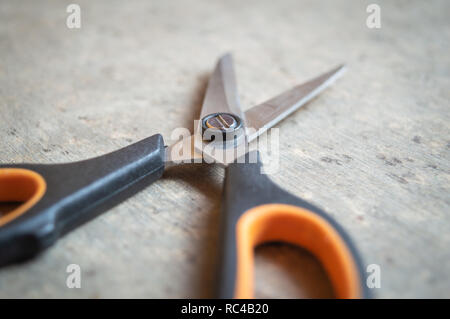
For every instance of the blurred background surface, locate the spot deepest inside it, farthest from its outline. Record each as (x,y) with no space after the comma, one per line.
(373,150)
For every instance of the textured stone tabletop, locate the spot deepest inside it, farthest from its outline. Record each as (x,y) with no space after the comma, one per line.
(373,150)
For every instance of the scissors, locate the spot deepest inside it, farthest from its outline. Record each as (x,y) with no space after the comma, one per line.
(56,198)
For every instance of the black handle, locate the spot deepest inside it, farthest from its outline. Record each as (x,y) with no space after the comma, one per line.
(77,192)
(252,203)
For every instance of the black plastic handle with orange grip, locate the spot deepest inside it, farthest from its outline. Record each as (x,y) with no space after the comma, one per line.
(256,211)
(57,198)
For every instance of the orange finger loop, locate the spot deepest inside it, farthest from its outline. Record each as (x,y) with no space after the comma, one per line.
(292,224)
(20,185)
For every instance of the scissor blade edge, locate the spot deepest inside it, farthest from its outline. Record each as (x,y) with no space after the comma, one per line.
(257,128)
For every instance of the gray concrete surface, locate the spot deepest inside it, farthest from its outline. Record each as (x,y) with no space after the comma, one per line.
(373,150)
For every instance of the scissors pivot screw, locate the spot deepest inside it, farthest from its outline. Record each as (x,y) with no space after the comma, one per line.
(225,124)
(222,121)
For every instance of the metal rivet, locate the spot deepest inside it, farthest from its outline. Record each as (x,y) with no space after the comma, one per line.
(221,121)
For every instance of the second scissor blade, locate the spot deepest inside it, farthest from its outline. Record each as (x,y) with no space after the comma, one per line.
(221,95)
(263,116)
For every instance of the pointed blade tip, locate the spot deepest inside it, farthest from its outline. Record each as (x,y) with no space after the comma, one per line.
(340,69)
(334,74)
(225,56)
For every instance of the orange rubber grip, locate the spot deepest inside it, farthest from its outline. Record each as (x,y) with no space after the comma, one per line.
(292,224)
(20,185)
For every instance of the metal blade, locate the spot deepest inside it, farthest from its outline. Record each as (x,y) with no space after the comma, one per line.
(221,97)
(221,94)
(263,116)
(183,151)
